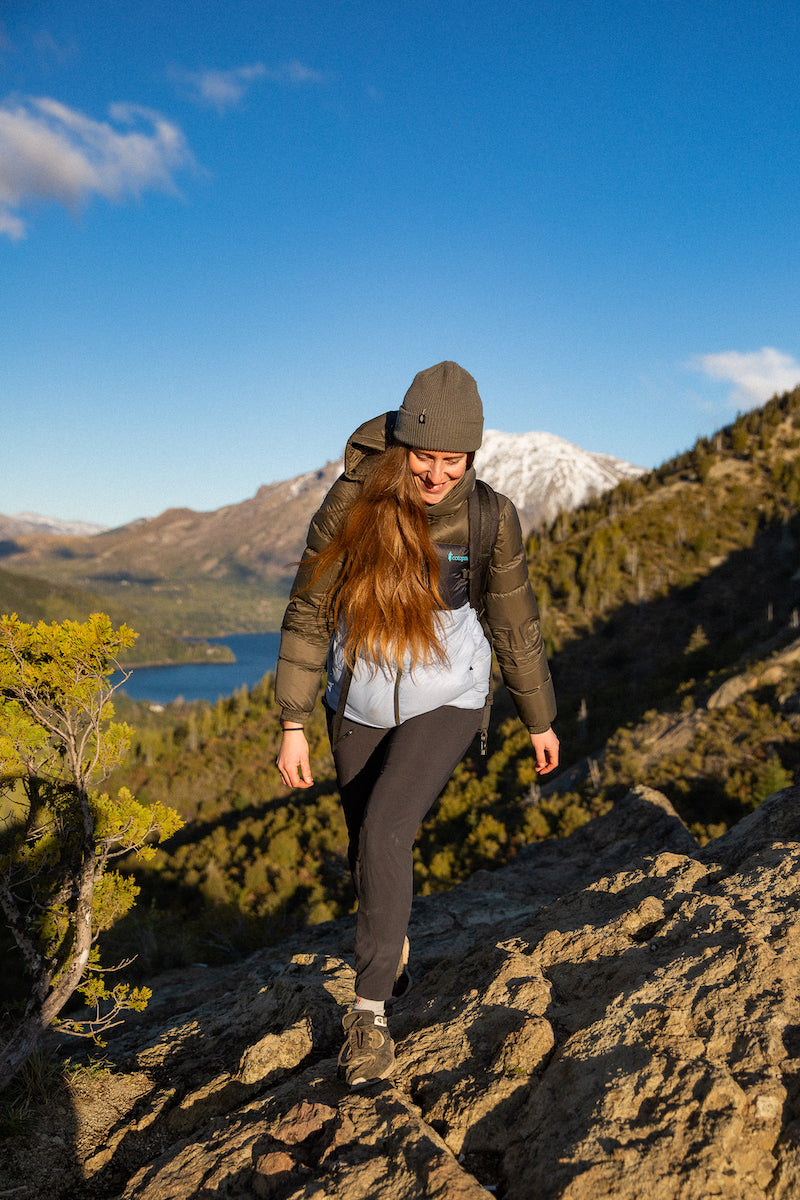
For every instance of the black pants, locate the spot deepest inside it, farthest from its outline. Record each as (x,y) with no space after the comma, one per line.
(388,780)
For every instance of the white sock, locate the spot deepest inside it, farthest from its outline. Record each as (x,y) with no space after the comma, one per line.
(376,1006)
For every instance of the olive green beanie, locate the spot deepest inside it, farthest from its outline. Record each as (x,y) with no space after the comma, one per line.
(441,411)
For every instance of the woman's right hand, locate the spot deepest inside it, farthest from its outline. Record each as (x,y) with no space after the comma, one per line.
(293,760)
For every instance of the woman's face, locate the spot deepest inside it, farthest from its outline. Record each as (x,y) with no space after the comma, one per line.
(436,472)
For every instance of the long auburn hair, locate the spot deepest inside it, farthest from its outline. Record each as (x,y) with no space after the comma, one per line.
(385,590)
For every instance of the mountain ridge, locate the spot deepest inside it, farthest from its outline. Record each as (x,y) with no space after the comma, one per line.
(229,570)
(521,465)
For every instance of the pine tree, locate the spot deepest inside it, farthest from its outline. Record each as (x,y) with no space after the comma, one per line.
(58,742)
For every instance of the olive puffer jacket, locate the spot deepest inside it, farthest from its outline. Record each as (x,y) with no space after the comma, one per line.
(509,607)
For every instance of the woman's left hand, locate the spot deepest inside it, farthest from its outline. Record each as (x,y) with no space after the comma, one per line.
(545,748)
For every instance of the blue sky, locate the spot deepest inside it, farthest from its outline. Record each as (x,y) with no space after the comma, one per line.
(231,231)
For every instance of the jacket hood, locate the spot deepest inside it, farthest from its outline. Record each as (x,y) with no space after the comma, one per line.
(370,438)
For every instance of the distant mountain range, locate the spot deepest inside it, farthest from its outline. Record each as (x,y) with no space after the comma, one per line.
(27,523)
(230,569)
(543,475)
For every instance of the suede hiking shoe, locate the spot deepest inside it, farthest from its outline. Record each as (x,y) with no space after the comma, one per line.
(368,1051)
(402,980)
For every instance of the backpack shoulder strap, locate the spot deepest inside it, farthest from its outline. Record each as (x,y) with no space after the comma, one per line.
(484,523)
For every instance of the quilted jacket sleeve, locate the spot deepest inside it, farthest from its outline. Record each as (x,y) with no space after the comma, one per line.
(513,618)
(305,635)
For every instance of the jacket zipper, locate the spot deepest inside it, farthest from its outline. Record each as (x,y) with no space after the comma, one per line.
(397,698)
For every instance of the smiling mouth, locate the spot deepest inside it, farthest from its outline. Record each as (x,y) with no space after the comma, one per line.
(433,491)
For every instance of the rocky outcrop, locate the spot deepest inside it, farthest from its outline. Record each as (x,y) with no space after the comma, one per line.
(772,670)
(615,1014)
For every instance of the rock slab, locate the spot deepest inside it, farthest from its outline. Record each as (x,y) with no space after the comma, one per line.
(615,1014)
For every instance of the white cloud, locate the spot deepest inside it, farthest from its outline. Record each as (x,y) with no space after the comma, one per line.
(51,152)
(221,89)
(225,89)
(756,377)
(11,226)
(296,72)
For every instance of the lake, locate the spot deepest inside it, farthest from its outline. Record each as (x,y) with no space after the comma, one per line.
(256,653)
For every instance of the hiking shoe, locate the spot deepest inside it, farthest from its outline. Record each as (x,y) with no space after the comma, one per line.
(402,980)
(368,1051)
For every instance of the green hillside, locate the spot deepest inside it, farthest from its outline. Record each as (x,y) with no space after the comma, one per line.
(40,600)
(665,584)
(35,599)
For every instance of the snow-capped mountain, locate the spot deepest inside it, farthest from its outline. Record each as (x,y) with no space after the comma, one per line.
(27,523)
(544,474)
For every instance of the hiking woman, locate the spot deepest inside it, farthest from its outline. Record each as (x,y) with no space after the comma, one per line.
(393,595)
